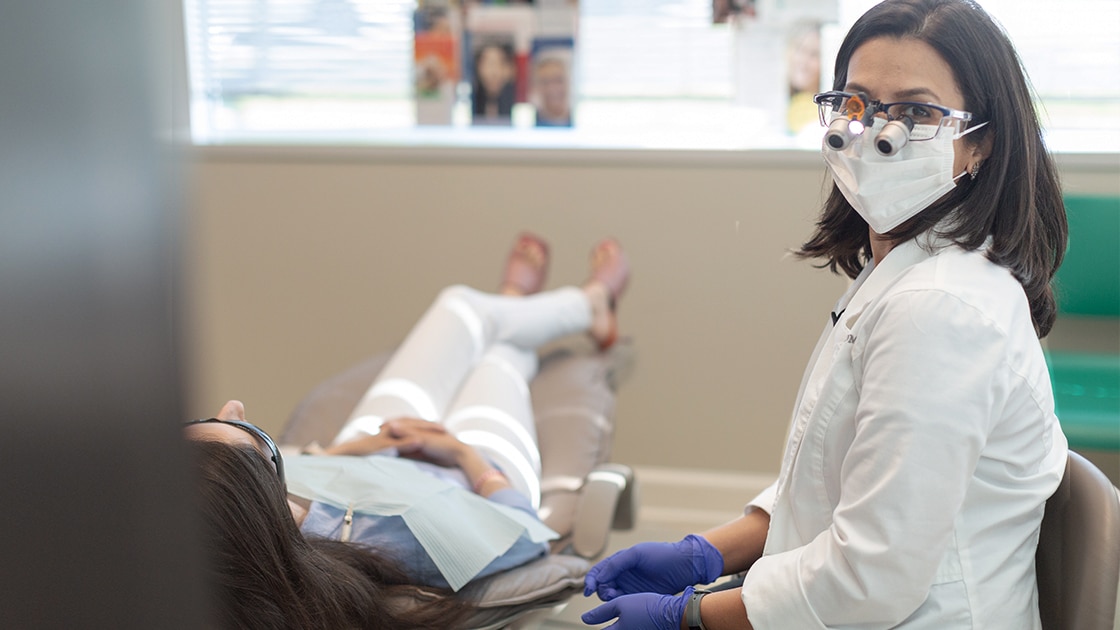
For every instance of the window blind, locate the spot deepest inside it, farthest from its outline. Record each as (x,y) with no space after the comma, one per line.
(324,48)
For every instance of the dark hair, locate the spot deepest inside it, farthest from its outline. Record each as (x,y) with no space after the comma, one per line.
(265,574)
(1017,199)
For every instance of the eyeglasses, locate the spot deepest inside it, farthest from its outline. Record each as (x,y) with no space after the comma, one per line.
(256,432)
(925,119)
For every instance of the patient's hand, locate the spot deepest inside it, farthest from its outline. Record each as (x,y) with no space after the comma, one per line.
(399,427)
(404,434)
(437,447)
(433,444)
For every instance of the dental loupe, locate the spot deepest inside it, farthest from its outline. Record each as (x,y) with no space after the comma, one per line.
(847,126)
(894,136)
(857,117)
(841,133)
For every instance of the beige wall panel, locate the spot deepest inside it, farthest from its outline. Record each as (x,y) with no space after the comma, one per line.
(300,265)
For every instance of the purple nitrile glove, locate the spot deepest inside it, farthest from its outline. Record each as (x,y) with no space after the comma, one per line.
(641,611)
(654,567)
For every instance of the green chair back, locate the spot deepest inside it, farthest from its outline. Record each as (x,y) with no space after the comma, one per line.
(1088,282)
(1087,385)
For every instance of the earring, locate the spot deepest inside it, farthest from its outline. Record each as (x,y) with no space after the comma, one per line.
(974,171)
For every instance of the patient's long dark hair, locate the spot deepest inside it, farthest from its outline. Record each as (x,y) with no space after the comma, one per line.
(267,575)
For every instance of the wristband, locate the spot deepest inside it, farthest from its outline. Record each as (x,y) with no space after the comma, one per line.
(692,610)
(484,477)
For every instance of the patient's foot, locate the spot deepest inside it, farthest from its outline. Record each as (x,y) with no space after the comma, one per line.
(610,273)
(526,266)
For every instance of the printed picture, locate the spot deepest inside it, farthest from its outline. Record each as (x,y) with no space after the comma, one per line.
(436,67)
(723,11)
(551,80)
(494,85)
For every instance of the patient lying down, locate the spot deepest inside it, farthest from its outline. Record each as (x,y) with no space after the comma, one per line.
(333,537)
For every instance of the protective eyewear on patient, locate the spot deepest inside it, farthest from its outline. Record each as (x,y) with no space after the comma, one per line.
(925,119)
(256,432)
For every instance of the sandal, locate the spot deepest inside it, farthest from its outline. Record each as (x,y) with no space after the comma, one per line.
(526,266)
(611,268)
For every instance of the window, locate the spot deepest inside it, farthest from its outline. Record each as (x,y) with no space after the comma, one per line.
(648,74)
(263,68)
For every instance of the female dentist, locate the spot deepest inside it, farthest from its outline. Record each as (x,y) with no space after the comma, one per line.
(923,443)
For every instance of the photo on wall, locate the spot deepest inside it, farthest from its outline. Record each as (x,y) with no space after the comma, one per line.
(436,66)
(803,68)
(494,86)
(551,70)
(724,11)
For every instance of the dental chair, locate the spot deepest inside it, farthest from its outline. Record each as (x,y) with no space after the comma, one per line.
(1078,557)
(582,496)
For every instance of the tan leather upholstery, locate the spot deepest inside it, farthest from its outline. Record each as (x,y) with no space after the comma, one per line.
(1078,559)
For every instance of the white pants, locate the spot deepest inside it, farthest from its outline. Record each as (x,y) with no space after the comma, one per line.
(467,364)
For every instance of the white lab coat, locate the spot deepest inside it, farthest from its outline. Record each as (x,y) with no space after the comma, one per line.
(922,449)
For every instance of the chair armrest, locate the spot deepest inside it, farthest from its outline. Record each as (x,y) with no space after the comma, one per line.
(607,500)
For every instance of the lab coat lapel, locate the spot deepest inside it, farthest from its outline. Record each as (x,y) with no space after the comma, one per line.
(886,271)
(826,335)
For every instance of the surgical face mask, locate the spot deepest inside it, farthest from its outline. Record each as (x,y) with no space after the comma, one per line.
(886,191)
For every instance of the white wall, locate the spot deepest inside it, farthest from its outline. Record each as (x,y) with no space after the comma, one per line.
(301,262)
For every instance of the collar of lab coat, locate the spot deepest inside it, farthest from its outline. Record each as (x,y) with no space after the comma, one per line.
(877,276)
